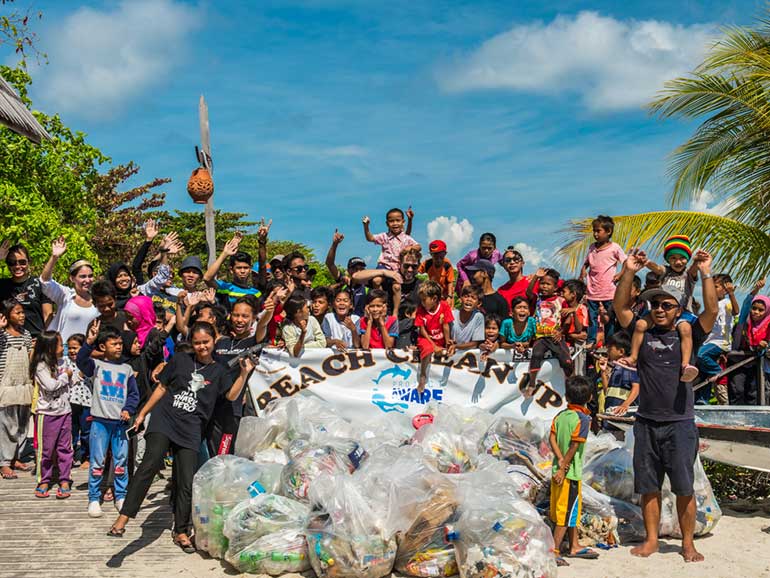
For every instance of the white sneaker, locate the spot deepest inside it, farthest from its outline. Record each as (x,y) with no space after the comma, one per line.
(95,510)
(119,505)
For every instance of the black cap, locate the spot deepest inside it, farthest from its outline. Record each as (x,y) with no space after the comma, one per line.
(192,262)
(356,262)
(482,265)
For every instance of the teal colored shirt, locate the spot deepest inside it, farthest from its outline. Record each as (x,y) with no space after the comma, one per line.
(508,333)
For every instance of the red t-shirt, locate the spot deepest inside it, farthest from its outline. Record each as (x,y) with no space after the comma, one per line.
(518,289)
(375,341)
(434,321)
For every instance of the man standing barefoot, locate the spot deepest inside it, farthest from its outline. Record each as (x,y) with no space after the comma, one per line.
(665,435)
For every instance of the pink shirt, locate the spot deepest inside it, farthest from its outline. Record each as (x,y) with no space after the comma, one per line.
(603,264)
(392,245)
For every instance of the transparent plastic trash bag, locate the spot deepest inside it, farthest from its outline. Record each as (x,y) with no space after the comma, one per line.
(220,484)
(266,535)
(344,534)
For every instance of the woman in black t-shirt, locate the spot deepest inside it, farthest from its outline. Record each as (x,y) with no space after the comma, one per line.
(181,405)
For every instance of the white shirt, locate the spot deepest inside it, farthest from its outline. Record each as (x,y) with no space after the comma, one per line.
(334,329)
(722,330)
(70,317)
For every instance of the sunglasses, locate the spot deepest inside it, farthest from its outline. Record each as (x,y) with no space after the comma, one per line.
(410,266)
(300,268)
(512,260)
(14,262)
(665,306)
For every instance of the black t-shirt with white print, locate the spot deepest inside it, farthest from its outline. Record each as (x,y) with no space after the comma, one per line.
(183,412)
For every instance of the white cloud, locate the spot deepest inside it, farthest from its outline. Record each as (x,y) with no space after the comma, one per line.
(532,255)
(456,234)
(703,203)
(99,60)
(611,64)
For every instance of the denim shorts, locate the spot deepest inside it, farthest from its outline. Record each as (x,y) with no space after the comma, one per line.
(665,448)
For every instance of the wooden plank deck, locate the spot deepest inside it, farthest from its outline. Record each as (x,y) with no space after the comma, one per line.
(44,538)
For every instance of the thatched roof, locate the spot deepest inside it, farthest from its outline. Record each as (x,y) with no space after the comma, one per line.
(16,117)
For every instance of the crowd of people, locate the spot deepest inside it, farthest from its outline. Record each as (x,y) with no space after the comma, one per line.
(142,367)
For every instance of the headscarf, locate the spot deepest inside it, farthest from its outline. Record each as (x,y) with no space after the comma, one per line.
(112,274)
(128,342)
(758,331)
(142,309)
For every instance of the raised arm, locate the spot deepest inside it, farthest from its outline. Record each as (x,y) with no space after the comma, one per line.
(331,256)
(655,268)
(708,317)
(247,366)
(367,232)
(230,249)
(150,232)
(262,234)
(58,248)
(409,219)
(636,261)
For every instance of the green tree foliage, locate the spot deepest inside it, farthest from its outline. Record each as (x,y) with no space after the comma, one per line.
(66,186)
(728,155)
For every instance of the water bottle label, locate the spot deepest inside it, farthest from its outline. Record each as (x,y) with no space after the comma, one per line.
(255,489)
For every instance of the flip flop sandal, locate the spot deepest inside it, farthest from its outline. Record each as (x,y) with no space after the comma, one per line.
(22,467)
(116,532)
(559,560)
(187,547)
(42,492)
(689,372)
(63,493)
(7,476)
(585,554)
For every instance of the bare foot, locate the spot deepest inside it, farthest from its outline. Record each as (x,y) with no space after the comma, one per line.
(690,554)
(85,465)
(645,550)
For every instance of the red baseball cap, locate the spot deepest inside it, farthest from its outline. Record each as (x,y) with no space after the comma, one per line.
(437,246)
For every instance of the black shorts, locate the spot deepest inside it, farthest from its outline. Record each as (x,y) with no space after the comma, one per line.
(665,447)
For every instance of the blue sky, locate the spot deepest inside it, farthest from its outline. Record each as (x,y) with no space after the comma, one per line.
(511,117)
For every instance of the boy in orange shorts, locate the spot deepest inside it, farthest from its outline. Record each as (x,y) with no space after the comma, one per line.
(568,439)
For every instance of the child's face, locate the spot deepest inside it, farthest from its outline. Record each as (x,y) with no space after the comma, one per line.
(547,286)
(438,258)
(241,318)
(106,306)
(377,308)
(302,314)
(486,248)
(73,347)
(469,301)
(206,314)
(758,311)
(491,330)
(429,302)
(203,344)
(16,316)
(721,291)
(342,304)
(613,353)
(122,280)
(601,236)
(319,306)
(521,312)
(190,278)
(395,223)
(112,348)
(136,349)
(677,262)
(568,295)
(59,348)
(241,272)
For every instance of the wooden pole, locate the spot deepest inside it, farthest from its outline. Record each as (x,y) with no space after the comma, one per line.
(203,115)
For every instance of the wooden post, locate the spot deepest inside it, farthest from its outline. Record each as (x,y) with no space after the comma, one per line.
(203,114)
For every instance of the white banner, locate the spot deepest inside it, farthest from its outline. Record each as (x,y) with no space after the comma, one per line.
(372,383)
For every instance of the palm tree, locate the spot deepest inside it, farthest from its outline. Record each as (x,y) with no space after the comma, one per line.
(729,155)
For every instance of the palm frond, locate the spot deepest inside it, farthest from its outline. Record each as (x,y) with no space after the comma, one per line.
(740,249)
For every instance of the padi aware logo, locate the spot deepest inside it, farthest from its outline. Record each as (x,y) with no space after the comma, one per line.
(396,388)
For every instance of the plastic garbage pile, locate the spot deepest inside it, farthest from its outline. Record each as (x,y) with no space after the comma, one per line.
(453,492)
(310,489)
(707,513)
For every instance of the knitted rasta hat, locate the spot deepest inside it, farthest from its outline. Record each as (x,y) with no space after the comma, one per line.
(677,245)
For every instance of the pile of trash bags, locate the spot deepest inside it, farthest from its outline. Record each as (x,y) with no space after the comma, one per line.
(460,492)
